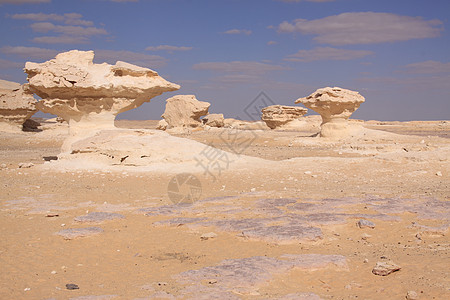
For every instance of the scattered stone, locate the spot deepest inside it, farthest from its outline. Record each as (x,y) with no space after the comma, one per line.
(277,115)
(335,105)
(214,120)
(25,165)
(3,166)
(365,223)
(98,217)
(412,295)
(439,173)
(385,268)
(365,261)
(72,286)
(184,111)
(17,105)
(72,233)
(52,215)
(365,236)
(162,125)
(209,235)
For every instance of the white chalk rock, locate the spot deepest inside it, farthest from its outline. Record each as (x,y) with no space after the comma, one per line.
(214,120)
(277,115)
(184,111)
(16,105)
(335,105)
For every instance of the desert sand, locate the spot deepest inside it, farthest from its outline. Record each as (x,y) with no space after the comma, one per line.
(275,217)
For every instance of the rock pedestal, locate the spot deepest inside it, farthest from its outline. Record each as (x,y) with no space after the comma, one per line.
(89,96)
(277,115)
(16,105)
(335,105)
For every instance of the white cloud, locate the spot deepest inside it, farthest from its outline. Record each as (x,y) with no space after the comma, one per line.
(244,67)
(23,1)
(364,28)
(327,53)
(63,39)
(69,18)
(168,48)
(45,27)
(427,67)
(7,64)
(29,52)
(140,59)
(238,31)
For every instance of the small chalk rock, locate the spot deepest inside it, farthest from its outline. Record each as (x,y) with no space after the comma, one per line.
(365,223)
(439,173)
(207,236)
(412,295)
(72,286)
(385,268)
(3,166)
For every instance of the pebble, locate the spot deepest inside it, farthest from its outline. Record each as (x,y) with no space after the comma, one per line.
(72,286)
(385,268)
(308,172)
(438,173)
(252,189)
(412,295)
(365,236)
(26,289)
(365,223)
(3,166)
(53,272)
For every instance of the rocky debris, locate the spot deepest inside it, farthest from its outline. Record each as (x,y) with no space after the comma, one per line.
(162,125)
(277,115)
(246,275)
(412,295)
(365,223)
(284,234)
(98,217)
(184,111)
(214,120)
(431,230)
(89,96)
(17,105)
(335,105)
(31,125)
(72,233)
(385,268)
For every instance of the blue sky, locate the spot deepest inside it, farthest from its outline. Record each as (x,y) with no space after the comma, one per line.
(395,53)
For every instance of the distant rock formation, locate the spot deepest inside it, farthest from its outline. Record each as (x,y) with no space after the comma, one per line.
(277,115)
(184,112)
(89,96)
(214,120)
(335,105)
(16,105)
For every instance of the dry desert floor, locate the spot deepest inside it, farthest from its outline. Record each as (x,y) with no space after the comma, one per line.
(285,229)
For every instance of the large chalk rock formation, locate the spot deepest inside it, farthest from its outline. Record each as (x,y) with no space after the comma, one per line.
(184,111)
(16,105)
(89,96)
(335,105)
(277,115)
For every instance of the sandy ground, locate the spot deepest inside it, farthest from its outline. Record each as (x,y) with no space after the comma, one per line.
(307,207)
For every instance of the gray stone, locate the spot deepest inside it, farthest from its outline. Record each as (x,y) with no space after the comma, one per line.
(385,268)
(365,223)
(98,217)
(72,233)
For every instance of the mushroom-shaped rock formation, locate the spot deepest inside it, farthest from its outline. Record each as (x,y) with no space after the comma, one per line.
(16,105)
(89,96)
(277,115)
(184,111)
(335,105)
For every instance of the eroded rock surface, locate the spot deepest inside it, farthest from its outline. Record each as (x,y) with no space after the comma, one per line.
(89,96)
(214,120)
(16,105)
(277,115)
(335,105)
